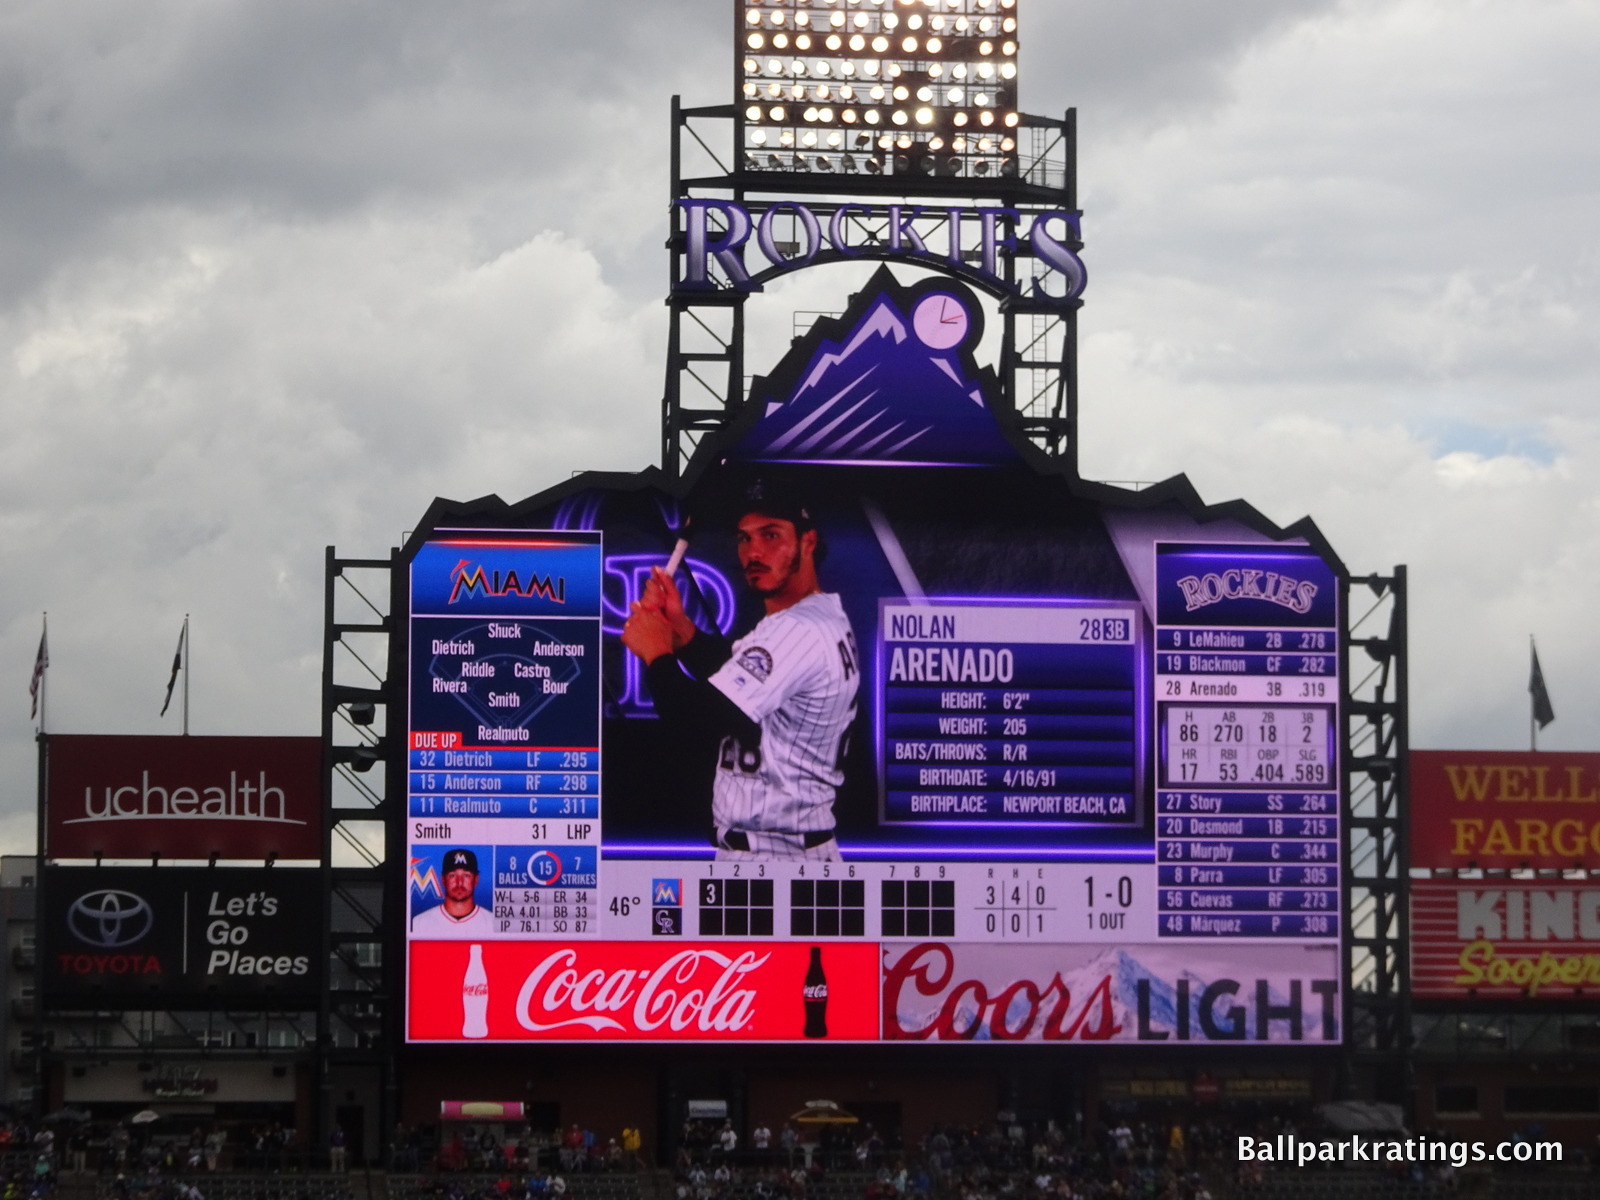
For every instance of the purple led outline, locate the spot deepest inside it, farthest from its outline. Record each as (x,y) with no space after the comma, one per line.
(698,851)
(1272,549)
(1141,699)
(874,462)
(1193,550)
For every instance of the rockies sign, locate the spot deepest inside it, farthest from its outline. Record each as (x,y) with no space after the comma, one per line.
(179,936)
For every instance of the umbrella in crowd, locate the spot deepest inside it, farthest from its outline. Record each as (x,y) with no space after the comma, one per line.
(822,1112)
(144,1116)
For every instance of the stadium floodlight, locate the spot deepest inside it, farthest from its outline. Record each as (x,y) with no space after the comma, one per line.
(916,77)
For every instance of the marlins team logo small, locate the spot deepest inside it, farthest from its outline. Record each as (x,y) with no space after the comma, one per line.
(757,662)
(666,907)
(666,893)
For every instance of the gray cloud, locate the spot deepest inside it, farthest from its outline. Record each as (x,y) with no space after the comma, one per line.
(278,274)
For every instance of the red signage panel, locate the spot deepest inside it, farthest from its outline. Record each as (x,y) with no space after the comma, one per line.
(1526,938)
(183,797)
(931,991)
(633,991)
(1476,808)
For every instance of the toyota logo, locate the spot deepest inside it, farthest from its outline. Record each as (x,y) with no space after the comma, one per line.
(110,918)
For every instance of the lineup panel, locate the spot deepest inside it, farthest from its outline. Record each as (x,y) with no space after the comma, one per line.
(503,755)
(1247,817)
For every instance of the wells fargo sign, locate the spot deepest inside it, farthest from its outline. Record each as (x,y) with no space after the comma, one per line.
(1505,938)
(1473,808)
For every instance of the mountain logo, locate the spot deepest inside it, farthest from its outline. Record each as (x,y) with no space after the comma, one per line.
(893,381)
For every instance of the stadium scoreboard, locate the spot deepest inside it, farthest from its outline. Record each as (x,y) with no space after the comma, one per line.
(1012,738)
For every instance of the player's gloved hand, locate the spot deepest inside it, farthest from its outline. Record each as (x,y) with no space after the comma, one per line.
(661,593)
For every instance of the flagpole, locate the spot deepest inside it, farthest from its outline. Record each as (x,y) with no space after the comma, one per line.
(186,656)
(44,680)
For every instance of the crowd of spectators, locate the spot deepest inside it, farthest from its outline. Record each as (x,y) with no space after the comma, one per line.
(1186,1156)
(998,1162)
(29,1160)
(519,1151)
(133,1152)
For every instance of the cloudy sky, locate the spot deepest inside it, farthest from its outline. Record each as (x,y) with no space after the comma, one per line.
(275,273)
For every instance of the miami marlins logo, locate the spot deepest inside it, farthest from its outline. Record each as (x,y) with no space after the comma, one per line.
(474,581)
(425,882)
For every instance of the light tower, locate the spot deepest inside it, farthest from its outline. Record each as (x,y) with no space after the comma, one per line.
(898,122)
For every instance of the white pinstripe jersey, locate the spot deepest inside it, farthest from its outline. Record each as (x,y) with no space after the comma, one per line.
(796,675)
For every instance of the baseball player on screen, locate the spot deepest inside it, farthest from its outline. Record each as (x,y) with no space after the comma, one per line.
(458,915)
(783,696)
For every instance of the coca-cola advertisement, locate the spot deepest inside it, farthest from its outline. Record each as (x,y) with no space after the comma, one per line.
(636,991)
(1097,994)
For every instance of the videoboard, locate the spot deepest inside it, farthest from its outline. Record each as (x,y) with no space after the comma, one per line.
(1017,764)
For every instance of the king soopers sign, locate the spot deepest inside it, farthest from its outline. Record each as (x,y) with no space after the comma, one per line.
(974,242)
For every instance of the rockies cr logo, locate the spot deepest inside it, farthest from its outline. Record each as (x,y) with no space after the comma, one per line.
(110,919)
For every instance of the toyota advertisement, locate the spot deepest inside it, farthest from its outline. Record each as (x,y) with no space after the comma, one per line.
(181,935)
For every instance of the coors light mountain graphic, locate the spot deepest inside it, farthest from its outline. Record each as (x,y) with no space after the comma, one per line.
(892,381)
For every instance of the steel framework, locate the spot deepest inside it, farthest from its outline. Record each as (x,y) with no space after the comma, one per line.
(357,1026)
(1377,1005)
(706,382)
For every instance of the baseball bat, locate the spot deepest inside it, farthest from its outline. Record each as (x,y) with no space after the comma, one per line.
(679,549)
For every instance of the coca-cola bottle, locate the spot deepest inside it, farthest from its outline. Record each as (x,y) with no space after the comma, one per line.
(816,997)
(475,996)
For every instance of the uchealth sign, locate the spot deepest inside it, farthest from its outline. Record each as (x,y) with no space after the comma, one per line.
(183,797)
(1477,808)
(1505,938)
(181,935)
(928,991)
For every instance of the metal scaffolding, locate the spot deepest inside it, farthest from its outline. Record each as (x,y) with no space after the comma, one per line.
(706,384)
(1377,947)
(357,1026)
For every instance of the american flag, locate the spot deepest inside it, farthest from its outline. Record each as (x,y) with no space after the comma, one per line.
(40,664)
(1543,712)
